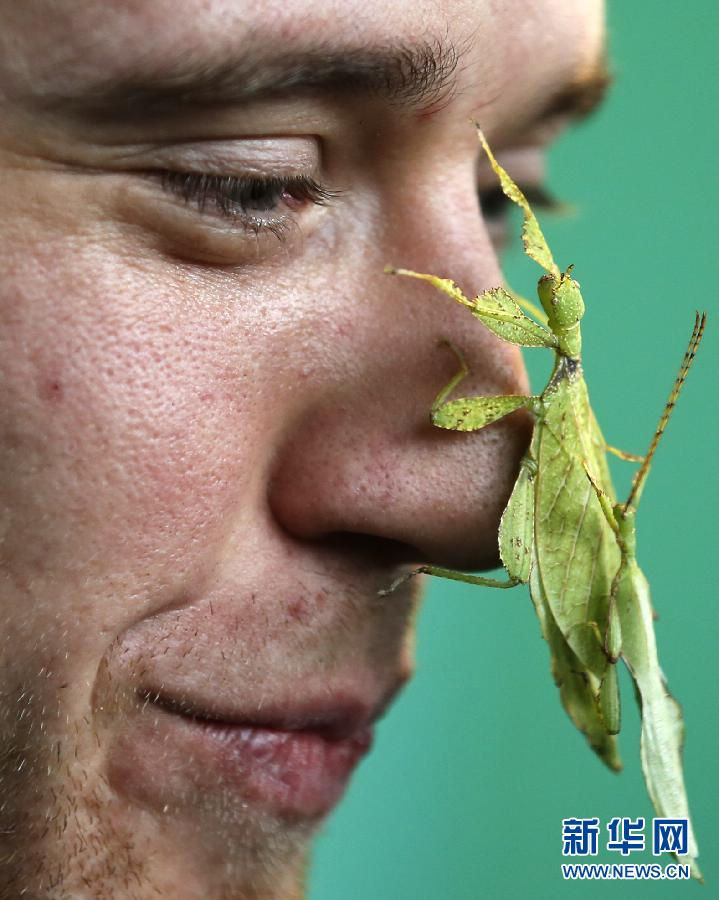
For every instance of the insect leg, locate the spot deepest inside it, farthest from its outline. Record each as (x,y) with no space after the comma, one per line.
(622,454)
(453,575)
(446,285)
(535,244)
(609,700)
(604,500)
(471,413)
(456,379)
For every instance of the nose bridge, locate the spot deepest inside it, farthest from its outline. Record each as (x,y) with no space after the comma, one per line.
(435,225)
(443,233)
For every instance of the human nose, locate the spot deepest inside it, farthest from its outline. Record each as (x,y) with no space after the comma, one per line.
(362,459)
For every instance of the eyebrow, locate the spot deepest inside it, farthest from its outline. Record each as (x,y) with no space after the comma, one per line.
(415,76)
(412,77)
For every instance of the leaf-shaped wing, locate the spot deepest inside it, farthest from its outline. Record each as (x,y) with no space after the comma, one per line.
(578,687)
(516,528)
(662,726)
(576,549)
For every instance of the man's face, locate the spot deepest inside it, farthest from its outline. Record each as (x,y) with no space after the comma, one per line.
(214,437)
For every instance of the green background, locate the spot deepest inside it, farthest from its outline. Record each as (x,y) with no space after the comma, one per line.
(477,764)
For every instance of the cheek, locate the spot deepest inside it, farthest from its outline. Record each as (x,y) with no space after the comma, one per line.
(125,435)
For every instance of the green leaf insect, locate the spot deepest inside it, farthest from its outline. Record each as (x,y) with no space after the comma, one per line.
(563,531)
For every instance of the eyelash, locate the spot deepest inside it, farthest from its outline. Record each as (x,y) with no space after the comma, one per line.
(236,197)
(495,205)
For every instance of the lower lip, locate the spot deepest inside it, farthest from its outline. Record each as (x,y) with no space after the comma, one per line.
(294,774)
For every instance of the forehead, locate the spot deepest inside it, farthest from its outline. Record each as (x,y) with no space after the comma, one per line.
(508,51)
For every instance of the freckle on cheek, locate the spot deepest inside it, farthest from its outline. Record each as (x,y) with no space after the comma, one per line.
(51,390)
(297,610)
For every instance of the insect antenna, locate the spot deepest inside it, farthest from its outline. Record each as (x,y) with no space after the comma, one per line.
(640,477)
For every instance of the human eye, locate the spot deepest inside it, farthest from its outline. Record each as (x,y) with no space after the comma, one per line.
(253,204)
(229,202)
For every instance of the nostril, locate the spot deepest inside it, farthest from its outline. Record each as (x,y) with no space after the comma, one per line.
(361,549)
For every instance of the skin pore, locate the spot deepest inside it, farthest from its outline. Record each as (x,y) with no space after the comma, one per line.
(214,437)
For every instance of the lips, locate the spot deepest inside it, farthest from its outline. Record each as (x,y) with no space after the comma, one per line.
(293,760)
(337,719)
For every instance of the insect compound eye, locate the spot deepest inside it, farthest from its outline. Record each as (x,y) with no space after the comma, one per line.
(546,290)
